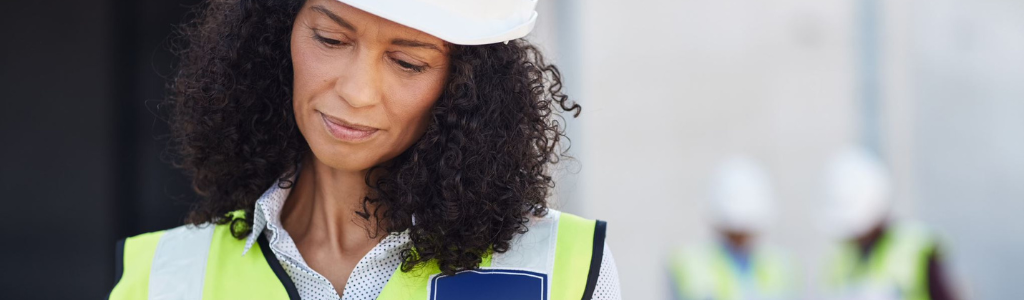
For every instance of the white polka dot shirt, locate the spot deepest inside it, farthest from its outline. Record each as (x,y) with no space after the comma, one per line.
(374,270)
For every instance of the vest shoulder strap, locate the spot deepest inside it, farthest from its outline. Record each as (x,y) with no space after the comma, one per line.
(256,275)
(133,260)
(197,262)
(578,256)
(166,264)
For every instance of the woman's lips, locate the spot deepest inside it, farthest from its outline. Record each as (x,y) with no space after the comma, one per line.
(346,131)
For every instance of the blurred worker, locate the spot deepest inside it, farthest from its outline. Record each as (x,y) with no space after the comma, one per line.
(878,258)
(736,266)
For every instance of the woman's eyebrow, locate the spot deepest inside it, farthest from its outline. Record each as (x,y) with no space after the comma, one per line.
(334,17)
(412,43)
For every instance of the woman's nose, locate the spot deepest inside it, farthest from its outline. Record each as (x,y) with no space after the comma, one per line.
(360,84)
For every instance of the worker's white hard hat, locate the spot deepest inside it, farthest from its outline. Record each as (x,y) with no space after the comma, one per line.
(857,192)
(741,196)
(461,22)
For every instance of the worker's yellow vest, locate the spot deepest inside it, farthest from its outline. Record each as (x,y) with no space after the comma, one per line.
(707,272)
(896,268)
(558,258)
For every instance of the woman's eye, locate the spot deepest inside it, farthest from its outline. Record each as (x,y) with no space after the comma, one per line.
(328,41)
(408,66)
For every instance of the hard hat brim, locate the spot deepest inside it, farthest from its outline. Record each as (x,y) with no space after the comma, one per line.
(447,25)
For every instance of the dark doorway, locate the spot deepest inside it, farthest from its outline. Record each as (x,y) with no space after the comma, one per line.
(82,142)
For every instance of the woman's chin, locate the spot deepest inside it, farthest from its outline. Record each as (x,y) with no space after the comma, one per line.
(344,158)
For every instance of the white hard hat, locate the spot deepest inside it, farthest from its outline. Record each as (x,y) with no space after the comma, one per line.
(741,196)
(461,22)
(857,191)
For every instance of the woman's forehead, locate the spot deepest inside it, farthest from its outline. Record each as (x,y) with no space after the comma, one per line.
(367,24)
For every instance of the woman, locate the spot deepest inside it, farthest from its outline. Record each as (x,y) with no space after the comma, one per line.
(405,145)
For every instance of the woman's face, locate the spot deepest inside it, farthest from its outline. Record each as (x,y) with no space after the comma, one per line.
(363,85)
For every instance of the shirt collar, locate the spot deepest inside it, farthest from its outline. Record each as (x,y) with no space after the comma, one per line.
(267,217)
(267,214)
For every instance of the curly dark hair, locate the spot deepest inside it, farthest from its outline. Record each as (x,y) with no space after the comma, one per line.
(472,180)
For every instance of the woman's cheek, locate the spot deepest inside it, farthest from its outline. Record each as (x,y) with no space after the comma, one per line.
(417,104)
(312,71)
(306,78)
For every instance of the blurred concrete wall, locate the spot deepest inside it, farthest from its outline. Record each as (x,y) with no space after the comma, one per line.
(966,128)
(670,88)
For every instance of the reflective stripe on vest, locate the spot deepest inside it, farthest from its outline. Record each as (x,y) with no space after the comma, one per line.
(179,263)
(707,272)
(223,271)
(897,266)
(560,254)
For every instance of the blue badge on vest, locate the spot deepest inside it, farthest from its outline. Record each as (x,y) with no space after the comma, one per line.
(495,284)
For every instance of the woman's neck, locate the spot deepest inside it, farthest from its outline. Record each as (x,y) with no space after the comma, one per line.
(320,211)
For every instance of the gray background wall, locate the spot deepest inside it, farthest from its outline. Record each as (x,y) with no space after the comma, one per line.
(669,88)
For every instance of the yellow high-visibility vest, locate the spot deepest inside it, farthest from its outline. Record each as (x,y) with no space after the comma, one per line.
(708,272)
(559,258)
(897,267)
